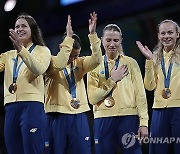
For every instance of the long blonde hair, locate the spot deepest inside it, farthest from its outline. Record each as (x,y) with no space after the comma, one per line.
(158,50)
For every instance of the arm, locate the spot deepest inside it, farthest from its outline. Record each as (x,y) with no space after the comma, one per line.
(59,62)
(139,92)
(37,63)
(149,79)
(2,62)
(91,62)
(97,92)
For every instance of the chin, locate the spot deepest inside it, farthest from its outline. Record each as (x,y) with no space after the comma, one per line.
(168,45)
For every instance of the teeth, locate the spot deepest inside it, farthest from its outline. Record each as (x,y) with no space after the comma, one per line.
(21,34)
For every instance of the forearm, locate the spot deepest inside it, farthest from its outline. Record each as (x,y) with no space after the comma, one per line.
(60,61)
(94,60)
(149,79)
(96,94)
(37,64)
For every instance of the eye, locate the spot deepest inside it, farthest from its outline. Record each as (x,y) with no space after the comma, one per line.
(17,26)
(162,33)
(170,32)
(116,40)
(108,40)
(23,25)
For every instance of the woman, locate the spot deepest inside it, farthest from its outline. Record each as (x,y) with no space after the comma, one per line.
(116,91)
(162,73)
(25,120)
(66,100)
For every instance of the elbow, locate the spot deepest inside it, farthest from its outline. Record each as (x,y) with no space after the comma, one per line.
(39,71)
(149,88)
(91,101)
(61,65)
(97,60)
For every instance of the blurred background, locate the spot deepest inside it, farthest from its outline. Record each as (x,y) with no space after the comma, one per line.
(138,20)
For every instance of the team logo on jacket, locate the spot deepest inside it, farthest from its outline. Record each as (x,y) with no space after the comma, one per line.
(102,72)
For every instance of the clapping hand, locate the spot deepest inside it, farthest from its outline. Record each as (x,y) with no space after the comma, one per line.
(92,23)
(145,50)
(69,30)
(17,43)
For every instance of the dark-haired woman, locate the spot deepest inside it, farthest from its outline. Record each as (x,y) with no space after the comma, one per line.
(66,100)
(25,119)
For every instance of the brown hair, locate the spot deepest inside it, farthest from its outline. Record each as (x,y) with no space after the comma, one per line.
(36,33)
(77,41)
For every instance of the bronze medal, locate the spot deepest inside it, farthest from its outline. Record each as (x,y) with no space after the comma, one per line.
(166,93)
(109,101)
(75,103)
(13,88)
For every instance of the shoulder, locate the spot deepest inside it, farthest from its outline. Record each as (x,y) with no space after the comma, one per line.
(42,48)
(10,52)
(130,60)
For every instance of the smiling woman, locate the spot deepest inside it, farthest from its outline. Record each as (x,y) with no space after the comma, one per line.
(162,75)
(25,120)
(23,31)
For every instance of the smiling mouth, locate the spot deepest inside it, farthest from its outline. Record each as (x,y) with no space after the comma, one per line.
(20,35)
(112,50)
(167,42)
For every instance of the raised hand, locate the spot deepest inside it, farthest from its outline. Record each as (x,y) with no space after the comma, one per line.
(145,50)
(16,41)
(69,30)
(92,23)
(119,73)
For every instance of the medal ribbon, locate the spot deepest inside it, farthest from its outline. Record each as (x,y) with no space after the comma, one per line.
(17,67)
(71,81)
(107,69)
(166,78)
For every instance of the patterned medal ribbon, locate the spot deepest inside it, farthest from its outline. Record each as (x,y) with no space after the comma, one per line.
(75,103)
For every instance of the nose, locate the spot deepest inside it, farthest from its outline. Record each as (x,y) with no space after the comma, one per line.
(112,44)
(166,35)
(19,28)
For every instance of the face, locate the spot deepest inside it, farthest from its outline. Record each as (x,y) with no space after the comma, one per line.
(23,30)
(168,35)
(74,55)
(111,41)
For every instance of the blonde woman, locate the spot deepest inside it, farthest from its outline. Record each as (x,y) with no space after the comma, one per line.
(162,74)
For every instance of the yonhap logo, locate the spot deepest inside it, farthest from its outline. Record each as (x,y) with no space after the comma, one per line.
(128,140)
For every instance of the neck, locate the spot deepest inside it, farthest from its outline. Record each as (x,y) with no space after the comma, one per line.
(111,57)
(25,44)
(167,49)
